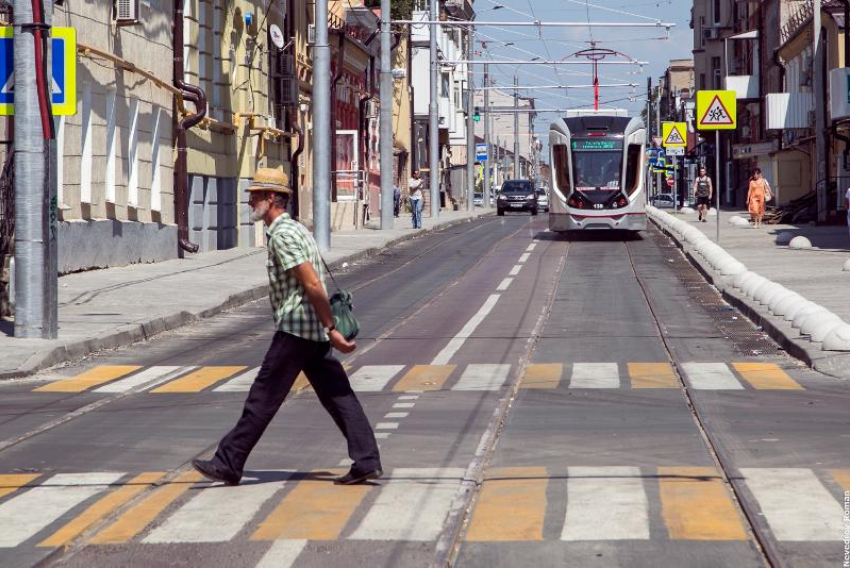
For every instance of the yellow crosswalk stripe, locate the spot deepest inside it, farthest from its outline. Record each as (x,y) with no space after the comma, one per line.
(542,376)
(92,378)
(652,376)
(511,506)
(766,376)
(696,505)
(102,508)
(842,476)
(132,522)
(301,383)
(424,378)
(9,483)
(197,381)
(315,510)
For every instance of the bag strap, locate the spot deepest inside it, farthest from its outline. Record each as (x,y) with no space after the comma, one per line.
(330,273)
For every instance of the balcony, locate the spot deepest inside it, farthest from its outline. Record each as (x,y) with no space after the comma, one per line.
(790,110)
(745,86)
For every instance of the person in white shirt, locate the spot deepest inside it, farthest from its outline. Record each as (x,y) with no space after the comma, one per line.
(416,202)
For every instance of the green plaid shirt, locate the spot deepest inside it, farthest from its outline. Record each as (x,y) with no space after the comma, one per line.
(290,244)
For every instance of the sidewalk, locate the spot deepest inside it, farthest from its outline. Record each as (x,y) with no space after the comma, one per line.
(114,307)
(816,274)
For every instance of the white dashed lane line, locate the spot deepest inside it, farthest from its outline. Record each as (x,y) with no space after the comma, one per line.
(515,270)
(524,257)
(504,285)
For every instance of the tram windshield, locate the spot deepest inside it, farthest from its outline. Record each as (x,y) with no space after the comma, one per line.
(597,165)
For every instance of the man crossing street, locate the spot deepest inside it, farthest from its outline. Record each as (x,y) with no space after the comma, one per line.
(303,339)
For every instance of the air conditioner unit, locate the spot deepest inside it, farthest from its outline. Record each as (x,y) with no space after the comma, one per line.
(311,34)
(126,12)
(711,33)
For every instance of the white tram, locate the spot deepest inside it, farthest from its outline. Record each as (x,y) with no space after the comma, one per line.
(598,174)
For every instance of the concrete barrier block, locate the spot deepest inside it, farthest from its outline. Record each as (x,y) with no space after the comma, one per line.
(847,266)
(817,320)
(742,223)
(741,279)
(800,243)
(734,268)
(824,328)
(712,212)
(750,288)
(734,219)
(762,291)
(780,300)
(687,210)
(784,237)
(806,313)
(838,339)
(795,308)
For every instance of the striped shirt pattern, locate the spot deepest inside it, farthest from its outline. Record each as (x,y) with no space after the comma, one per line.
(289,245)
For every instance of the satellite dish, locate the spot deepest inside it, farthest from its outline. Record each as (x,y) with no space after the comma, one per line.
(276,35)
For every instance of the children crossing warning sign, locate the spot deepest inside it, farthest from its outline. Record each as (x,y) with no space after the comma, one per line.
(674,134)
(716,110)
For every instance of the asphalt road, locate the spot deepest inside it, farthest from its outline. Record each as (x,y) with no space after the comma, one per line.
(539,401)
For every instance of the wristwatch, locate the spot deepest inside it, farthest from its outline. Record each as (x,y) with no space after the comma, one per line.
(328,330)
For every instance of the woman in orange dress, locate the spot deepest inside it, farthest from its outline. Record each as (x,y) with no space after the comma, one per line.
(756,197)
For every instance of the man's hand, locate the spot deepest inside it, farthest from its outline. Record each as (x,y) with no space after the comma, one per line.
(339,343)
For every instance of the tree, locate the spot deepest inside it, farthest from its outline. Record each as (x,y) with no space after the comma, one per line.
(401,9)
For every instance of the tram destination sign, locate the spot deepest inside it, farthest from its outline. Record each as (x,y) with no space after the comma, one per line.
(596,144)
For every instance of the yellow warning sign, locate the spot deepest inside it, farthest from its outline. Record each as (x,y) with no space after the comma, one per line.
(716,110)
(674,134)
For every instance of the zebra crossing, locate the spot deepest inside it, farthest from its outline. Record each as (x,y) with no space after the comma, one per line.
(716,376)
(602,504)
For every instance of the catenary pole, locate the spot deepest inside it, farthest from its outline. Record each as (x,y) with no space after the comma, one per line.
(516,125)
(470,125)
(433,117)
(717,179)
(35,195)
(387,203)
(488,176)
(649,131)
(322,129)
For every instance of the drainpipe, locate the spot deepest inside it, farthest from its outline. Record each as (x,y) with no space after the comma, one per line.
(295,181)
(199,98)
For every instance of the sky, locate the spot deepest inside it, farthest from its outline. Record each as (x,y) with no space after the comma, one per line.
(653,45)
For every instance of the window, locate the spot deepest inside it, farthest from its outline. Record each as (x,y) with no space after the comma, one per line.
(702,86)
(133,155)
(560,162)
(156,171)
(522,187)
(716,11)
(111,101)
(86,157)
(715,73)
(446,89)
(633,167)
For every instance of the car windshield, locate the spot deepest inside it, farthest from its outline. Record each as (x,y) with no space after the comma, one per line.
(517,187)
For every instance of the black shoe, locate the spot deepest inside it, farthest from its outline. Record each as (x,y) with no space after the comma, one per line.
(355,477)
(212,472)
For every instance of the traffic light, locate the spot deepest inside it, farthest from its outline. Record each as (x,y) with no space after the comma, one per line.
(477,115)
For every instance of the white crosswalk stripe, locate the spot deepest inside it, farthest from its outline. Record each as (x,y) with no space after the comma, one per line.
(24,516)
(796,504)
(412,506)
(483,378)
(595,376)
(240,383)
(215,514)
(373,378)
(711,376)
(282,554)
(149,378)
(606,503)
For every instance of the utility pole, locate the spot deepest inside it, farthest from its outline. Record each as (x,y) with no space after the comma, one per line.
(470,124)
(821,155)
(433,116)
(36,259)
(387,203)
(649,132)
(516,126)
(322,128)
(487,175)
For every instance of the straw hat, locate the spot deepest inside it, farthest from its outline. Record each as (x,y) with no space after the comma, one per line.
(270,179)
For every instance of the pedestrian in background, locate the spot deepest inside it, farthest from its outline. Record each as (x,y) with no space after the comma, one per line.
(756,196)
(304,336)
(703,190)
(396,200)
(416,204)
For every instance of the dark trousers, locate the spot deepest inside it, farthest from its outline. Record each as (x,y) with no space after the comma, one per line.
(285,359)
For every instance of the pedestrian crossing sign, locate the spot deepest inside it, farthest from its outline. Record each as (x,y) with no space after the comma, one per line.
(716,110)
(674,134)
(63,42)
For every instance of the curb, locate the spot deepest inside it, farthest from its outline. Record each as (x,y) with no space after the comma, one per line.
(719,268)
(133,333)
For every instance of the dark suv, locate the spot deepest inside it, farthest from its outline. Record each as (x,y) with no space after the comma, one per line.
(517,195)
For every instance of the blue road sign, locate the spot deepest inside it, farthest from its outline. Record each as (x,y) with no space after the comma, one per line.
(64,71)
(481,152)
